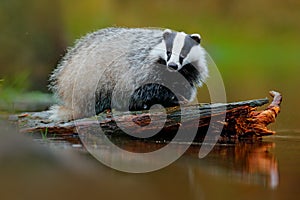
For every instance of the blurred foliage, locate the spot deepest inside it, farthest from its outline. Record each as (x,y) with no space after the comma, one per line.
(31,40)
(254,43)
(15,98)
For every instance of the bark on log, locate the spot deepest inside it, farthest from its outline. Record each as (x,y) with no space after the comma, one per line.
(242,121)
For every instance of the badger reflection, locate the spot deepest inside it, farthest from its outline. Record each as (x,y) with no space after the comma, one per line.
(244,161)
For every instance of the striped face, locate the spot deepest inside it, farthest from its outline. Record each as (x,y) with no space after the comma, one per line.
(180,49)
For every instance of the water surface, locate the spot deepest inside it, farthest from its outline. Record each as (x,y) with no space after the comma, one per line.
(262,170)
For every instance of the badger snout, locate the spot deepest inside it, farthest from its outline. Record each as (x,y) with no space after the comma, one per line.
(172,66)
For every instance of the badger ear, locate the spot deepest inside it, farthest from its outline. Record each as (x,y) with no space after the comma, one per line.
(196,37)
(166,33)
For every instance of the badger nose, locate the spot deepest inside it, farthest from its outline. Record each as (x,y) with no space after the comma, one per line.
(173,66)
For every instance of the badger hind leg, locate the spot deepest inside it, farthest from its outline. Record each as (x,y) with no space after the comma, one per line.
(60,113)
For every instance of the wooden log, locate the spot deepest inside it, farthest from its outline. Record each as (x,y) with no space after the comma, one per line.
(242,121)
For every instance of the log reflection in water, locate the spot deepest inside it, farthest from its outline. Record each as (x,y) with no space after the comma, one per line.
(244,162)
(250,163)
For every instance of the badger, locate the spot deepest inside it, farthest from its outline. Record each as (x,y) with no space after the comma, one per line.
(130,64)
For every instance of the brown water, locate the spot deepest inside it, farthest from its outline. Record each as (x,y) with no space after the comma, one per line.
(57,170)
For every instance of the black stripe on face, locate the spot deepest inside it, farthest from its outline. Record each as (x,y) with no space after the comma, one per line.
(191,74)
(169,40)
(189,43)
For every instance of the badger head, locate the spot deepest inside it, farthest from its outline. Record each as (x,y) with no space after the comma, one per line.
(181,52)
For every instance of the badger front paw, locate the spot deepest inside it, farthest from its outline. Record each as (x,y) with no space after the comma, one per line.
(182,100)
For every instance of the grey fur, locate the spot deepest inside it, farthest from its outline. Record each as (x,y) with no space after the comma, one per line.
(116,60)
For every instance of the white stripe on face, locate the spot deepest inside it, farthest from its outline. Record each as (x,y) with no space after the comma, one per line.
(196,53)
(177,46)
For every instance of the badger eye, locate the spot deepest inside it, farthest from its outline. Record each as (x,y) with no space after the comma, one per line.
(169,53)
(181,59)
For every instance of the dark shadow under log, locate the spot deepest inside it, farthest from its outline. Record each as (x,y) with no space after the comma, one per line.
(242,121)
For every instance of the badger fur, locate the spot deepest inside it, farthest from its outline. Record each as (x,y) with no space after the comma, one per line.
(129,62)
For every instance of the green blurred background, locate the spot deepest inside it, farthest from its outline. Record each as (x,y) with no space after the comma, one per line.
(254,43)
